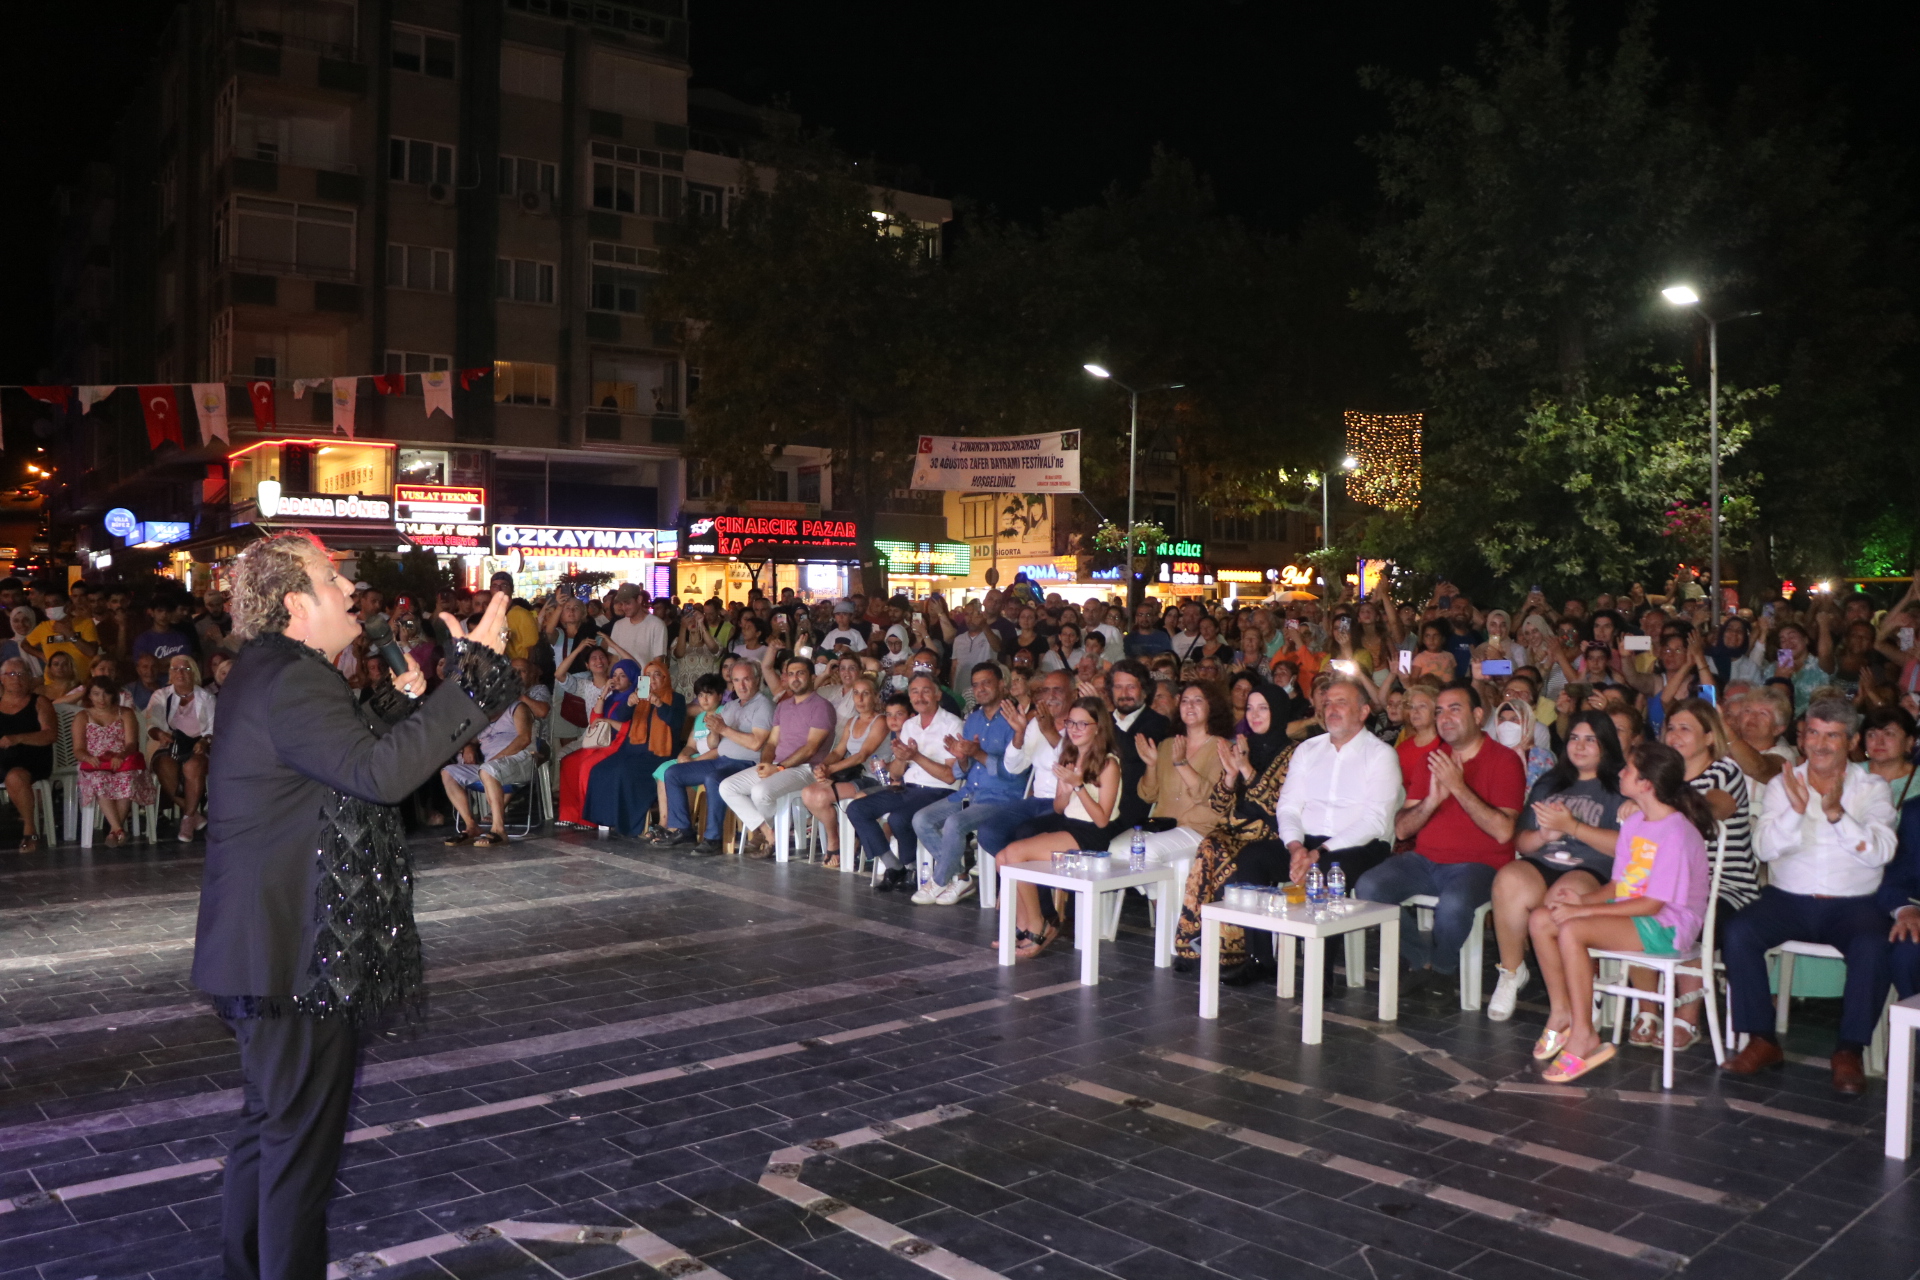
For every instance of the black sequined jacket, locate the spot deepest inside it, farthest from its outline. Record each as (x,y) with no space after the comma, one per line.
(306,904)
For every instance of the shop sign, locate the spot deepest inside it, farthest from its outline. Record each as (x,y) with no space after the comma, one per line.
(1048,463)
(120,522)
(432,516)
(1052,571)
(1185,549)
(158,533)
(357,507)
(1182,573)
(731,535)
(928,559)
(1247,577)
(1295,575)
(575,544)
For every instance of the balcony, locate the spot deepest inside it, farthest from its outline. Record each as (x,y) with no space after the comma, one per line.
(325,27)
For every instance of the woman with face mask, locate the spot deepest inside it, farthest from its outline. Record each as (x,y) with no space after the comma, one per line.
(1513,728)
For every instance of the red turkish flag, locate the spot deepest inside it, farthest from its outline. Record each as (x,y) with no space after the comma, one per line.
(51,395)
(390,384)
(261,393)
(162,409)
(468,375)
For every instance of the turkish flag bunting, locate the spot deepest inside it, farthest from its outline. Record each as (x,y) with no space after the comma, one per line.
(261,393)
(390,384)
(52,395)
(162,410)
(468,375)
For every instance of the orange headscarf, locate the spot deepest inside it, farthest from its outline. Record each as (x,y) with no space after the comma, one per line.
(659,698)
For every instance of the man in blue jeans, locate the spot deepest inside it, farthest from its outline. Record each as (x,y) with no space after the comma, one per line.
(1461,816)
(743,728)
(979,761)
(920,774)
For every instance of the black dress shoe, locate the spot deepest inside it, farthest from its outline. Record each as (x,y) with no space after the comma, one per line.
(675,839)
(707,849)
(1415,982)
(1183,965)
(1251,972)
(890,881)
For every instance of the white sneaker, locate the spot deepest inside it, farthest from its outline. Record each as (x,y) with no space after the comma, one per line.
(926,895)
(1505,991)
(960,889)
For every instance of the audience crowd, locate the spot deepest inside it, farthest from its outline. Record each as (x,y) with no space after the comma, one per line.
(1591,774)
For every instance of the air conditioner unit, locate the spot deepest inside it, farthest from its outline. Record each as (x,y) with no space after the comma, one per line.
(536,202)
(440,192)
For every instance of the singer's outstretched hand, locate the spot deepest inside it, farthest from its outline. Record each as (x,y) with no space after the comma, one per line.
(414,682)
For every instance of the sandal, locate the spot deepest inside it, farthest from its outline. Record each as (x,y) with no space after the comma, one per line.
(1685,1035)
(30,844)
(457,838)
(1549,1045)
(1019,936)
(1048,935)
(488,839)
(832,860)
(1646,1030)
(1568,1067)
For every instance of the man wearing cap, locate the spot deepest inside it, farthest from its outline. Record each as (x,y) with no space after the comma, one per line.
(843,632)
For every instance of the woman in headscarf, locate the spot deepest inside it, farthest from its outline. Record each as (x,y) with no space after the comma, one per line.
(620,789)
(1245,798)
(615,704)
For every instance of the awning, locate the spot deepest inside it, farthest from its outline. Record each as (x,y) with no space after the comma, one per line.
(358,535)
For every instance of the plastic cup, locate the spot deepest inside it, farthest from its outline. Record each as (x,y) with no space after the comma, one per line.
(1296,894)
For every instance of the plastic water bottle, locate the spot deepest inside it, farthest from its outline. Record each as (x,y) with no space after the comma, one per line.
(1316,886)
(1337,882)
(1137,851)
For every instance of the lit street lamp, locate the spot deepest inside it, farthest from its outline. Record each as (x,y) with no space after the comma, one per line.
(1133,453)
(1347,463)
(1682,295)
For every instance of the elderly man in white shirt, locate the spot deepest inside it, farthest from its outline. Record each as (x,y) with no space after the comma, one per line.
(920,773)
(1826,833)
(1342,790)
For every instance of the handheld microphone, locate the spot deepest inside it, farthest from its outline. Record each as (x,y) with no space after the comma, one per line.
(381,636)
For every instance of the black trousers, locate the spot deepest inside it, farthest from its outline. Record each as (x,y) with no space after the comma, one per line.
(280,1166)
(1270,862)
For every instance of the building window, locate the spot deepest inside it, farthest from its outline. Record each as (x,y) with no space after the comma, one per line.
(428,52)
(413,364)
(771,487)
(702,482)
(519,280)
(616,285)
(419,266)
(422,466)
(518,382)
(635,384)
(521,176)
(629,180)
(279,234)
(705,204)
(412,160)
(976,517)
(693,383)
(809,488)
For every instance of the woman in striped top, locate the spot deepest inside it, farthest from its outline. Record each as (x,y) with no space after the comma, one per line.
(1695,730)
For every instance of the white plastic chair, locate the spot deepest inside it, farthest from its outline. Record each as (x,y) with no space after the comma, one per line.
(1473,951)
(66,772)
(1876,1054)
(1696,962)
(92,817)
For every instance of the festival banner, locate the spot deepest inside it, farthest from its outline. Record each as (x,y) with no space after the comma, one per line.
(1048,463)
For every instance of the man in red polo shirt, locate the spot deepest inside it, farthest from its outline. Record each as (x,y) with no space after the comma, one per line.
(1461,822)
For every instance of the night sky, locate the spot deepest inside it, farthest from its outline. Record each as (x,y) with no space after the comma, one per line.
(1020,107)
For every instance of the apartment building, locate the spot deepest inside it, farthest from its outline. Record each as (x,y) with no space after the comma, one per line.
(317,188)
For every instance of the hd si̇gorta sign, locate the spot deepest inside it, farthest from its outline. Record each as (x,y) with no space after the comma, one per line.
(1048,463)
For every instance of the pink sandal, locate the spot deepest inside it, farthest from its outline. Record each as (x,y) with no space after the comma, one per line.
(1568,1067)
(1549,1044)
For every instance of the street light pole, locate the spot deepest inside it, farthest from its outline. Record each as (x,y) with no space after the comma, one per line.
(1681,295)
(1347,463)
(1133,455)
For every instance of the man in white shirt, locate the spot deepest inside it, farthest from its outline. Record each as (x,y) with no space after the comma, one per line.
(642,635)
(920,773)
(975,645)
(1827,833)
(843,632)
(1342,791)
(1096,616)
(1187,639)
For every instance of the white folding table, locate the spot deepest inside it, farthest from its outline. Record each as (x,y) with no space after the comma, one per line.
(1088,885)
(1313,926)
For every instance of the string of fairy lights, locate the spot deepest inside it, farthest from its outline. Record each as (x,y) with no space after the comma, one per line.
(1387,448)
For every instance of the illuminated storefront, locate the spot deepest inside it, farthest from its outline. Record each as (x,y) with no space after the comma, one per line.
(918,569)
(539,556)
(728,555)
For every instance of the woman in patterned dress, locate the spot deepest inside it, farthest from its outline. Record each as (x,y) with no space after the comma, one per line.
(106,745)
(1245,798)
